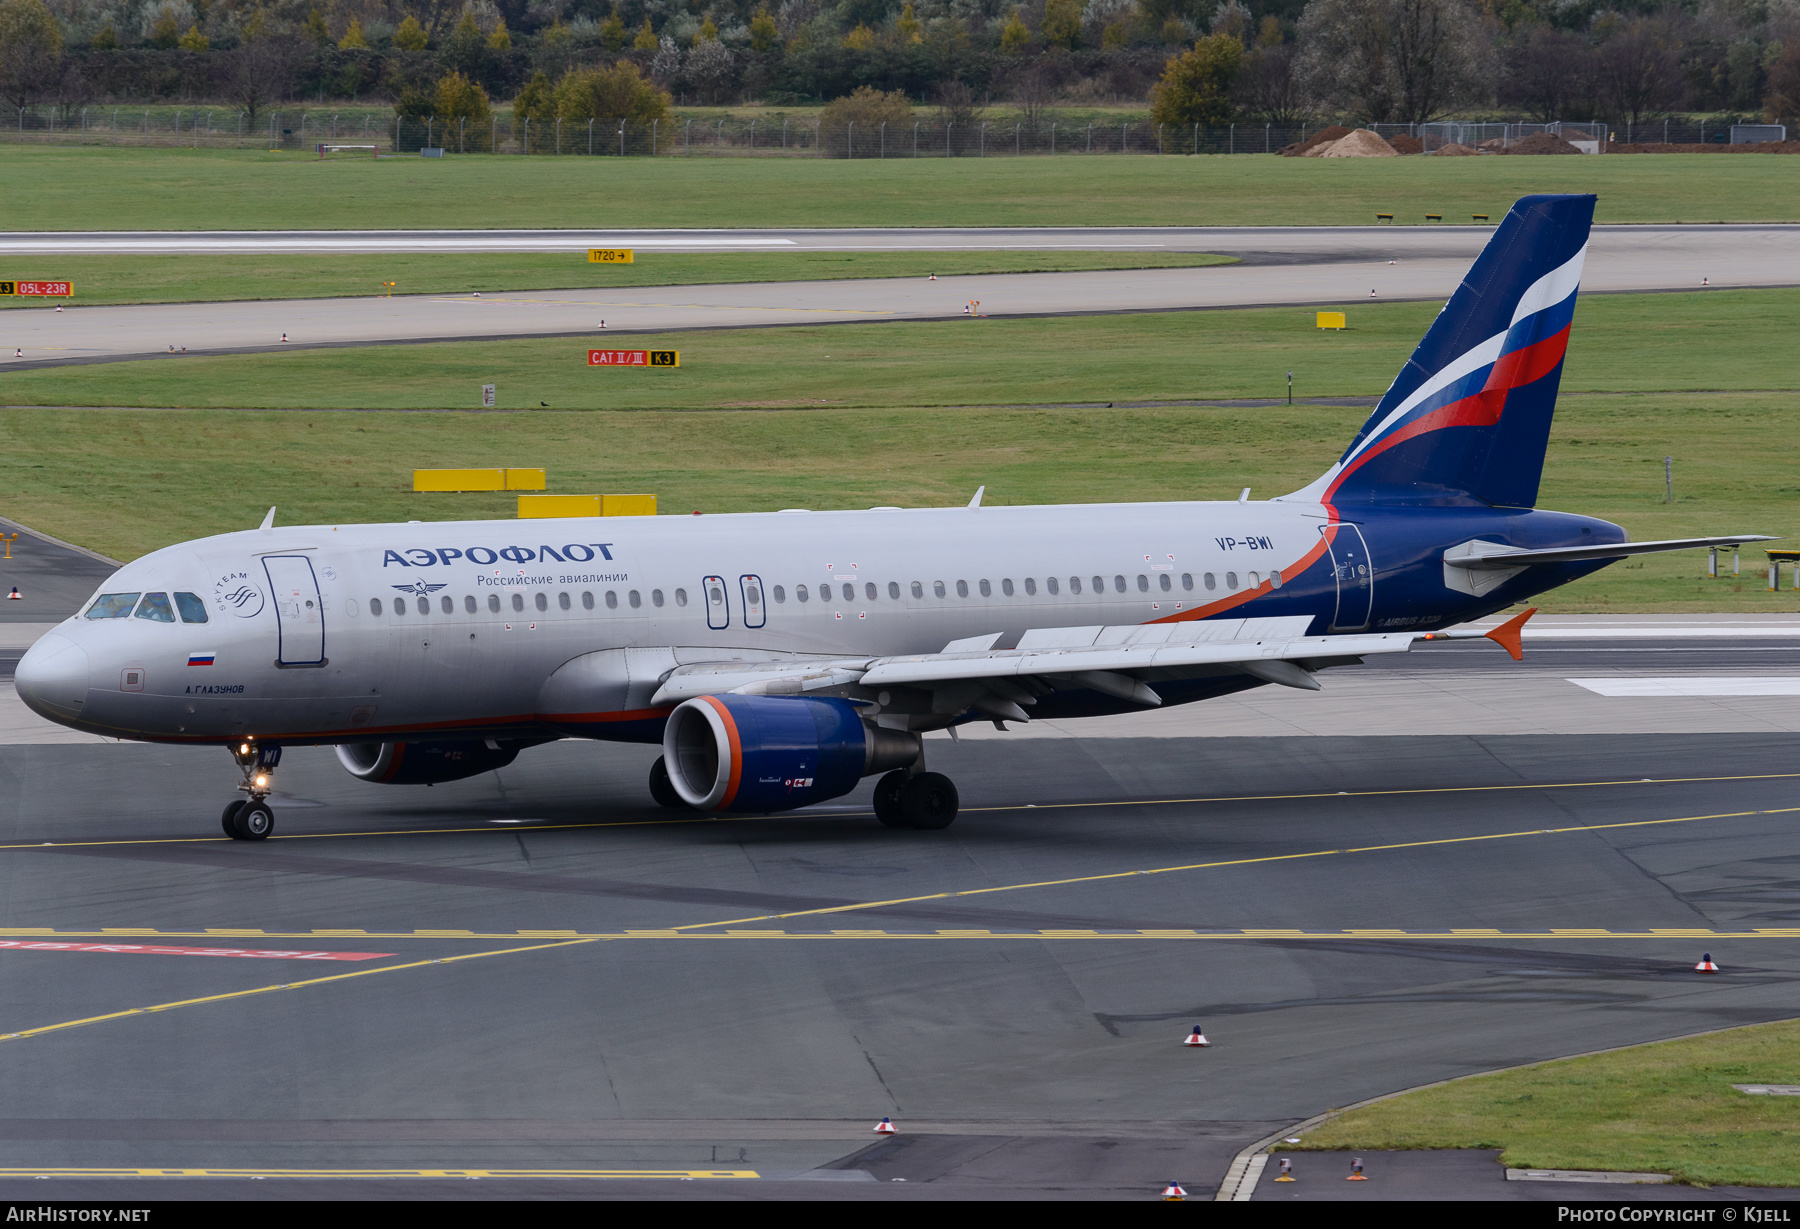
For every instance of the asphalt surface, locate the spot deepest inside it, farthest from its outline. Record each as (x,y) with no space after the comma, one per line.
(1285,267)
(53,578)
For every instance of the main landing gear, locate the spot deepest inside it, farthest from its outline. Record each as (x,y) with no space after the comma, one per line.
(250,818)
(905,799)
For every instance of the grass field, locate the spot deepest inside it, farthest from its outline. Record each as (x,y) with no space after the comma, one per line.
(1664,1108)
(75,188)
(185,279)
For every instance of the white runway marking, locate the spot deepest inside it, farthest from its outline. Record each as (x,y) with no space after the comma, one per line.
(1690,686)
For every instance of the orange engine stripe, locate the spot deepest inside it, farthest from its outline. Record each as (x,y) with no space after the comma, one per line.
(737,751)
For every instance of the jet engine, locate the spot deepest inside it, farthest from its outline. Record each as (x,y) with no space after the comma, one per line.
(775,753)
(423,763)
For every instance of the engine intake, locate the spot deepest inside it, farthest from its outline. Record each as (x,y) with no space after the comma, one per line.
(423,763)
(775,753)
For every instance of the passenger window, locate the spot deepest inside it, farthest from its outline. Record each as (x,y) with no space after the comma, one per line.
(802,592)
(1030,586)
(1255,580)
(681,597)
(1074,584)
(1212,581)
(824,593)
(562,601)
(374,605)
(778,591)
(156,608)
(894,589)
(193,610)
(112,606)
(918,590)
(1275,579)
(493,604)
(1231,580)
(1187,580)
(424,605)
(612,600)
(714,594)
(1163,580)
(636,600)
(399,606)
(518,602)
(469,604)
(1006,585)
(1099,585)
(849,592)
(656,597)
(1050,584)
(1143,583)
(870,591)
(587,600)
(962,588)
(541,600)
(937,588)
(448,603)
(987,590)
(1119,583)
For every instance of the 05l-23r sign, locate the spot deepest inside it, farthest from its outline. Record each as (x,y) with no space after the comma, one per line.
(47,290)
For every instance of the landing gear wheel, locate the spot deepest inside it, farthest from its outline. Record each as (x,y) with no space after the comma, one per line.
(254,821)
(887,799)
(929,801)
(662,789)
(228,820)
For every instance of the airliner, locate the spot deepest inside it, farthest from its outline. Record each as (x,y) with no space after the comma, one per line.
(779,658)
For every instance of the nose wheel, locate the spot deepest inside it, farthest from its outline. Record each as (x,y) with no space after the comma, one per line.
(251,819)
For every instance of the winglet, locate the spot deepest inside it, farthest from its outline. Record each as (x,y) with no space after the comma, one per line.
(269,520)
(1507,634)
(976,502)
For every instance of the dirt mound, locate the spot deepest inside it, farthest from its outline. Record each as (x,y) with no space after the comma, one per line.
(1454,150)
(1542,143)
(1324,136)
(1407,145)
(1360,144)
(1759,147)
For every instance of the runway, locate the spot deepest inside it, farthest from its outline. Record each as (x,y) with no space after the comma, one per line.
(537,983)
(1282,267)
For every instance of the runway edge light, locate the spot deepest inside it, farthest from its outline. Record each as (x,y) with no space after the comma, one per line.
(1356,1173)
(886,1127)
(1287,1171)
(14,595)
(1196,1038)
(1706,964)
(1173,1192)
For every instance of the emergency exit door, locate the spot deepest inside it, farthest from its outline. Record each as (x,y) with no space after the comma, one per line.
(299,614)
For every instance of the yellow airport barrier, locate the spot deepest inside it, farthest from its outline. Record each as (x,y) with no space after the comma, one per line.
(628,505)
(524,479)
(1331,320)
(534,507)
(459,480)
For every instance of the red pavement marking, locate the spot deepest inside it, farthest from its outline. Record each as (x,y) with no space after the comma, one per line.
(141,949)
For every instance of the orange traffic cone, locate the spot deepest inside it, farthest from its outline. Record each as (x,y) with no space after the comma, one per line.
(1356,1173)
(14,595)
(1706,964)
(886,1127)
(1173,1192)
(1196,1038)
(1287,1171)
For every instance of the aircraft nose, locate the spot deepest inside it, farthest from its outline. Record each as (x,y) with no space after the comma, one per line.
(52,678)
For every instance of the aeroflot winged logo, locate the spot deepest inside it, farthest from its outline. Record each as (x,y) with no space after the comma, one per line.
(420,557)
(420,587)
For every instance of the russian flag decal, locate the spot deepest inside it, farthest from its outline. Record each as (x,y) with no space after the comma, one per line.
(201,659)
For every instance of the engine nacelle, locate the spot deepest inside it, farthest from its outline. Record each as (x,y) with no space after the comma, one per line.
(775,753)
(423,763)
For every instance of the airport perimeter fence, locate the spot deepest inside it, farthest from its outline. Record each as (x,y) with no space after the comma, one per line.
(222,128)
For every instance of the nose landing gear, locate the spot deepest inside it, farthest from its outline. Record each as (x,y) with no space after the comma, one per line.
(250,818)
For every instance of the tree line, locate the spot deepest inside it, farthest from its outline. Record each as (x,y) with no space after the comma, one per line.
(1197,61)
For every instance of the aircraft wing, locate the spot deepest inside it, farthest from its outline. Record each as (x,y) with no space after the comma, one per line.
(1120,661)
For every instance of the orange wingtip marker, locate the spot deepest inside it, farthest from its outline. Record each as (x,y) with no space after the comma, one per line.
(1507,635)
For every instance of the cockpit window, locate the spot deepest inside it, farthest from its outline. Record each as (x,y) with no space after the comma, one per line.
(193,610)
(112,606)
(156,608)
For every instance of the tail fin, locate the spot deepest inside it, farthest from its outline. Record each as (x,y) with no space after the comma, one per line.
(1468,417)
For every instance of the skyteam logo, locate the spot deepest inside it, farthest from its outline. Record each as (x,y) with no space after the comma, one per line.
(420,587)
(233,594)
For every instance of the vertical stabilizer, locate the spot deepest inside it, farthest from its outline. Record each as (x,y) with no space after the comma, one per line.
(1468,417)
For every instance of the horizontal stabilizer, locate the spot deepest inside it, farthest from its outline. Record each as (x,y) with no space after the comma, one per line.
(1491,555)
